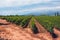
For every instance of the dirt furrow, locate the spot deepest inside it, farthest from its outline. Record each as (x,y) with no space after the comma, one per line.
(40,27)
(9,31)
(13,32)
(42,31)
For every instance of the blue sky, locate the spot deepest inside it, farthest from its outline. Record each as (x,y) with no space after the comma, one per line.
(22,7)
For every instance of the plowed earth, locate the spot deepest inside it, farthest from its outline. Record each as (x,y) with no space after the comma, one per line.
(9,31)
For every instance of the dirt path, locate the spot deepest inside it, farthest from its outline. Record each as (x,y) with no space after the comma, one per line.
(13,32)
(46,34)
(57,32)
(40,27)
(9,31)
(42,31)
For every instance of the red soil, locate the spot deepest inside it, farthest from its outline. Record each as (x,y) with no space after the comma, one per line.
(57,32)
(43,32)
(14,32)
(40,27)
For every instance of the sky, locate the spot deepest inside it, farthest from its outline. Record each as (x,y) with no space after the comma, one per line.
(23,7)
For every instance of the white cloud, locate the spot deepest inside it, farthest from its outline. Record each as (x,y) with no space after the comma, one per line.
(7,3)
(39,9)
(8,12)
(13,3)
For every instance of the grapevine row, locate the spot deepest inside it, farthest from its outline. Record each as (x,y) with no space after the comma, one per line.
(19,20)
(49,22)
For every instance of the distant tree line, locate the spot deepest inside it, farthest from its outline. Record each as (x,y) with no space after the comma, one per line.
(57,14)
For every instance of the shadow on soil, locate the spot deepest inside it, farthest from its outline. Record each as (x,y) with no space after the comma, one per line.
(4,24)
(35,30)
(54,35)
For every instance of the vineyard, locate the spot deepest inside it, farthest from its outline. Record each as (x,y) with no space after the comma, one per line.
(19,20)
(33,26)
(48,22)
